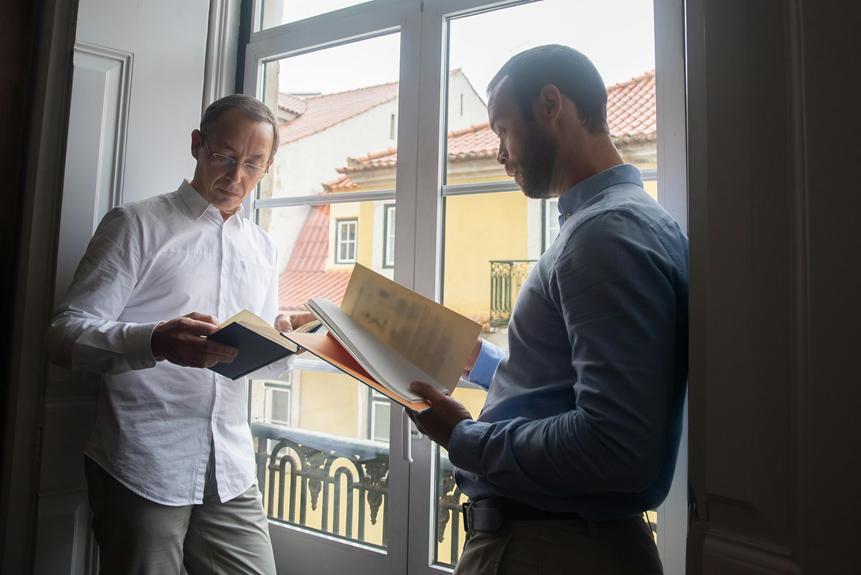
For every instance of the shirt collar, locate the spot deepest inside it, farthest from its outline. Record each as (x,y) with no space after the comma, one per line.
(577,196)
(197,205)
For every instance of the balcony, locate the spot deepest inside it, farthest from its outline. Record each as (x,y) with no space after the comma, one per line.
(506,279)
(338,486)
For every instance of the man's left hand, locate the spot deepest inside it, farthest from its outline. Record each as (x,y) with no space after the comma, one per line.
(444,414)
(289,321)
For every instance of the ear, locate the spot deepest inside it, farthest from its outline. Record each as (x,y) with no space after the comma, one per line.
(196,143)
(549,103)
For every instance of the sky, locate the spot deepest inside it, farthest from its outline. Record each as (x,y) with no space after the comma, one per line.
(617,35)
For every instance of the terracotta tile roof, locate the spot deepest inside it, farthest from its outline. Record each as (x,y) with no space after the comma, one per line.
(631,110)
(324,111)
(630,115)
(477,141)
(631,118)
(296,288)
(305,275)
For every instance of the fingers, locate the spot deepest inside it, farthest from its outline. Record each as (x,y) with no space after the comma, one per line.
(283,323)
(223,353)
(197,327)
(204,317)
(301,318)
(427,391)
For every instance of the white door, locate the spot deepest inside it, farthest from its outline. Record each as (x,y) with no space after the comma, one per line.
(128,139)
(332,461)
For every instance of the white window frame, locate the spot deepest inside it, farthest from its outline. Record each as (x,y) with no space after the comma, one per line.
(389,235)
(342,242)
(550,223)
(375,401)
(418,242)
(269,389)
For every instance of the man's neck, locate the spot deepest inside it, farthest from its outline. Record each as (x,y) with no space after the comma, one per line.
(224,215)
(595,154)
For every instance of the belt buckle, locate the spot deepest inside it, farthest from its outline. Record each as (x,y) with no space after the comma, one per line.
(466,507)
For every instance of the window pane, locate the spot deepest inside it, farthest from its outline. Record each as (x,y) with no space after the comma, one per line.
(277,12)
(322,471)
(627,65)
(334,119)
(380,420)
(488,257)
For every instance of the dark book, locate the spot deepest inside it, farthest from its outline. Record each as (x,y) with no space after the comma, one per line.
(258,343)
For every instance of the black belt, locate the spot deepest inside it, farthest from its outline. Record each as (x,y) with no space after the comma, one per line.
(491,514)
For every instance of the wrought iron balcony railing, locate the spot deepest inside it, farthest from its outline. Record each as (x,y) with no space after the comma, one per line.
(339,486)
(506,279)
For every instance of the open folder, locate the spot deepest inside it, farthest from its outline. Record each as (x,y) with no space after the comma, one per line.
(388,336)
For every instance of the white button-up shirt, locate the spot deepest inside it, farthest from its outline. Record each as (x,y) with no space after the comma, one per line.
(153,261)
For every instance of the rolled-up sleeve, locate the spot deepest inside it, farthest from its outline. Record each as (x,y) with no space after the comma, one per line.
(84,333)
(613,284)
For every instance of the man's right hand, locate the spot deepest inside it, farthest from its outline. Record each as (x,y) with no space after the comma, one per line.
(179,341)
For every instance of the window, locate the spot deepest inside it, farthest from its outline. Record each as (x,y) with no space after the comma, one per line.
(389,236)
(379,409)
(470,238)
(276,12)
(345,244)
(551,222)
(278,402)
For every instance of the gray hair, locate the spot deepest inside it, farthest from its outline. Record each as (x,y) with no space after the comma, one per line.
(248,106)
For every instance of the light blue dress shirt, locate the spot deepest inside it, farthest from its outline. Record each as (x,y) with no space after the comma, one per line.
(584,413)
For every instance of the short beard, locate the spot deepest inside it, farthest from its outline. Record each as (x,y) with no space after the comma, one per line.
(538,163)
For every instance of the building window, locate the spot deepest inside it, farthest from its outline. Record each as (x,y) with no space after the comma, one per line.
(277,402)
(550,225)
(389,236)
(393,127)
(345,243)
(379,408)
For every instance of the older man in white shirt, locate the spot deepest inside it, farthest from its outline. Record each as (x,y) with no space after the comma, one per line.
(170,464)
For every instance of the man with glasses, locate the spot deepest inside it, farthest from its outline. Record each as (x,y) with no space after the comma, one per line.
(579,433)
(170,465)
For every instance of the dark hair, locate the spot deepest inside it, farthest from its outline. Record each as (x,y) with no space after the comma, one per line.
(567,69)
(249,106)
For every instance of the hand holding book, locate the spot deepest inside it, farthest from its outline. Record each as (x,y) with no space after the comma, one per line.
(258,343)
(183,341)
(438,421)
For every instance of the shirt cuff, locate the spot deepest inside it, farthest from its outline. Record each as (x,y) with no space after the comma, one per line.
(139,345)
(485,364)
(464,445)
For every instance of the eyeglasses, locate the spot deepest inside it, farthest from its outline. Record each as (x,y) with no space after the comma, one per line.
(222,161)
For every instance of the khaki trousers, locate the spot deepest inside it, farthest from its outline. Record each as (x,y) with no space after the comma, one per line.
(559,547)
(139,537)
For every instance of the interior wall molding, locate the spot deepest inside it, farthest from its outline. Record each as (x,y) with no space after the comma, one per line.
(124,61)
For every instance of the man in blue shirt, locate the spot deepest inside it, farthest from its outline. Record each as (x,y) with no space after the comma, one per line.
(580,430)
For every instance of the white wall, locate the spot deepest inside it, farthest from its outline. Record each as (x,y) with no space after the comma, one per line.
(168,41)
(137,92)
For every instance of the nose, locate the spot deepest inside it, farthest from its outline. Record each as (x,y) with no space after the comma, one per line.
(502,154)
(234,173)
